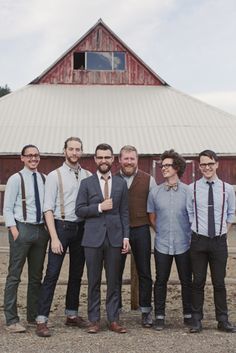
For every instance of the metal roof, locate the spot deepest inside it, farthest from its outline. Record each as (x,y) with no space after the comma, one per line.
(152,118)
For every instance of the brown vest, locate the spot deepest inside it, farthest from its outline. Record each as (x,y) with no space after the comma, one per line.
(138,194)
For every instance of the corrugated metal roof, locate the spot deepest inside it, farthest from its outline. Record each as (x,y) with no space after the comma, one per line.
(153,118)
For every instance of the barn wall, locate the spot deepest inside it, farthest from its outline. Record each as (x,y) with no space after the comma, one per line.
(100,40)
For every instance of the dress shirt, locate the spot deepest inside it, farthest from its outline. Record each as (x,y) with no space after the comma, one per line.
(12,209)
(202,189)
(129,180)
(173,231)
(102,182)
(70,190)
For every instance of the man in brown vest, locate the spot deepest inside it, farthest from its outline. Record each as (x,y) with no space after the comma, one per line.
(139,184)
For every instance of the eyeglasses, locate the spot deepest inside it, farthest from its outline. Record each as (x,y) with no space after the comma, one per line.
(31,156)
(107,158)
(209,165)
(165,166)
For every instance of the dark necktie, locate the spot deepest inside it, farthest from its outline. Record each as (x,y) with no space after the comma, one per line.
(76,173)
(106,188)
(211,216)
(37,200)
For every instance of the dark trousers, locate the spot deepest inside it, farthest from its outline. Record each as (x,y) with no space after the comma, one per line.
(96,258)
(163,263)
(70,235)
(140,242)
(30,245)
(214,252)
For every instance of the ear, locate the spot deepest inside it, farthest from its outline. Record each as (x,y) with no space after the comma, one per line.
(22,158)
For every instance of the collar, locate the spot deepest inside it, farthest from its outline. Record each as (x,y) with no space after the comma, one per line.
(100,175)
(128,176)
(70,168)
(205,181)
(28,171)
(174,186)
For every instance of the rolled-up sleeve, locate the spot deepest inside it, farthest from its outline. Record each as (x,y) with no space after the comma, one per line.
(51,192)
(10,197)
(230,204)
(190,203)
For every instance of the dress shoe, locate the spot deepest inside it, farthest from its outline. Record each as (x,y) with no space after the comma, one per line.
(42,330)
(147,320)
(115,327)
(76,321)
(159,324)
(188,321)
(93,327)
(226,326)
(196,326)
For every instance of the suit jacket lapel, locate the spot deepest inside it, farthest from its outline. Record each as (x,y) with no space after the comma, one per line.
(97,186)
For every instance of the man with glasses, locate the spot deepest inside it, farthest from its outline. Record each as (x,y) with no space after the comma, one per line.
(211,208)
(169,218)
(66,231)
(103,202)
(139,185)
(23,203)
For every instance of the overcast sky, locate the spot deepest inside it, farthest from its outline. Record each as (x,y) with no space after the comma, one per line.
(191,44)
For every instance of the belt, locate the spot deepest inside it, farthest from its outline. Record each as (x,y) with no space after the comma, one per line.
(205,236)
(60,221)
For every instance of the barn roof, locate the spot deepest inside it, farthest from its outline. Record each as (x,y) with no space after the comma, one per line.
(153,118)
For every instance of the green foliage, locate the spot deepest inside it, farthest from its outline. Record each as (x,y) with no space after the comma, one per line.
(4,90)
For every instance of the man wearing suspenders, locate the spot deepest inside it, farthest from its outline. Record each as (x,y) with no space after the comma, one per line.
(28,238)
(211,208)
(66,231)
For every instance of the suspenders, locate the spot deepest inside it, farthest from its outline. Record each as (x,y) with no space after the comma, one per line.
(223,207)
(23,194)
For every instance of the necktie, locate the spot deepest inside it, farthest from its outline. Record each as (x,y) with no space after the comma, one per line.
(106,188)
(171,186)
(76,173)
(211,216)
(37,200)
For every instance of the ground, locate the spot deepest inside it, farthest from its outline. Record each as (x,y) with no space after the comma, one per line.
(175,338)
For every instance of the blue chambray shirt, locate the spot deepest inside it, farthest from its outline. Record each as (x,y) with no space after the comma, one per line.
(173,232)
(12,209)
(202,189)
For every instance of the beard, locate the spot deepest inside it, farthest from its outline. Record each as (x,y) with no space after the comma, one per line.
(104,168)
(128,170)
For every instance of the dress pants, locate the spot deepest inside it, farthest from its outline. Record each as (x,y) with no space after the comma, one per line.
(140,242)
(109,257)
(70,235)
(30,245)
(163,264)
(212,251)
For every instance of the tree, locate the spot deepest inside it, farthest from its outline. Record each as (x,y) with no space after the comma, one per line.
(4,90)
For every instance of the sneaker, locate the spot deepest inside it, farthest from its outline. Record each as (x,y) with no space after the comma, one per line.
(159,324)
(147,320)
(16,328)
(42,330)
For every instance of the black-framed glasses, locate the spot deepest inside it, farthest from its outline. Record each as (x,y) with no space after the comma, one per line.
(31,156)
(107,158)
(209,165)
(165,166)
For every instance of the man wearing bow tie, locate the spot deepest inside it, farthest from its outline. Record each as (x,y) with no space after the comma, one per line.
(169,218)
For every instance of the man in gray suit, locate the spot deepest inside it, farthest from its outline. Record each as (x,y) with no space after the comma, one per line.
(103,202)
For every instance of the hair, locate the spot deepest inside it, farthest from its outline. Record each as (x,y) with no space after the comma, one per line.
(28,146)
(179,162)
(103,147)
(128,148)
(73,139)
(210,154)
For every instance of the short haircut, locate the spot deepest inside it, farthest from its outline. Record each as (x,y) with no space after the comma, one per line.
(210,154)
(128,148)
(179,162)
(103,147)
(28,146)
(73,139)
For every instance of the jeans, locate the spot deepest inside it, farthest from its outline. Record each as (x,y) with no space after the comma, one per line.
(140,242)
(163,264)
(212,251)
(70,235)
(31,244)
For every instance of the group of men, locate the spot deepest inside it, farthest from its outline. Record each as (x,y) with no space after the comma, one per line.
(98,217)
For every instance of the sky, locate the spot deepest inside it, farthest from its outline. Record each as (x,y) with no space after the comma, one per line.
(191,44)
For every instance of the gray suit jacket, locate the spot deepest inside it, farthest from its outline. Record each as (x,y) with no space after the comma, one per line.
(114,223)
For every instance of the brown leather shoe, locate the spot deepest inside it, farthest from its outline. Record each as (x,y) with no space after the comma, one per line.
(94,327)
(42,330)
(114,326)
(77,321)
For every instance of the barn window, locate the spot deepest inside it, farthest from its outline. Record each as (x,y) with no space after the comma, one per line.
(99,61)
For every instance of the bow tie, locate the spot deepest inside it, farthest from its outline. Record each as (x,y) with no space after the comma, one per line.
(171,186)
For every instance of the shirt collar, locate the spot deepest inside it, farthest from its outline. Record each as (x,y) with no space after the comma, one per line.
(28,171)
(65,165)
(205,181)
(100,174)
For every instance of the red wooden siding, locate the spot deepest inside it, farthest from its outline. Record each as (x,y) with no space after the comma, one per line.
(100,39)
